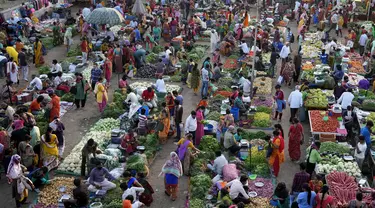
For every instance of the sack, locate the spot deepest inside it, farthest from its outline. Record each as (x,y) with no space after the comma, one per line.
(292,38)
(280,79)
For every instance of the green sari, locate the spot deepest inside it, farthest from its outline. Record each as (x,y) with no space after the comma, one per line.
(56,35)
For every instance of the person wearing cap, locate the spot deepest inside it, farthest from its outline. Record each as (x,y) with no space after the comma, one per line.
(98,178)
(55,105)
(230,142)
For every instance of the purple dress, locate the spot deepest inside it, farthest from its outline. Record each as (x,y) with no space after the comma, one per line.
(199,133)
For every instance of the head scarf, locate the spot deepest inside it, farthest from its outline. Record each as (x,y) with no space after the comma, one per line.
(13,162)
(173,165)
(18,124)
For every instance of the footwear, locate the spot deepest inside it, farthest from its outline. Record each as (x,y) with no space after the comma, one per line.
(166,193)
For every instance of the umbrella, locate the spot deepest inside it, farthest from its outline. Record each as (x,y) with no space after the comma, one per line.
(103,16)
(86,12)
(139,8)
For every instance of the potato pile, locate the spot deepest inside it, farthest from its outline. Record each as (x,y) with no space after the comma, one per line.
(50,194)
(261,201)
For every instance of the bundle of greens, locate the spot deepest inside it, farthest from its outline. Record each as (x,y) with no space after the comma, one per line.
(135,162)
(44,70)
(157,49)
(112,111)
(213,115)
(68,97)
(118,99)
(198,166)
(47,42)
(225,82)
(152,58)
(264,109)
(74,51)
(200,186)
(112,199)
(209,144)
(249,135)
(176,78)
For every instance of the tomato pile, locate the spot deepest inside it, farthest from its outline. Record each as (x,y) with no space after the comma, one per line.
(230,64)
(318,125)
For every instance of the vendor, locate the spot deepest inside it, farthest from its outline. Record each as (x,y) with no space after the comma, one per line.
(8,111)
(35,107)
(98,178)
(313,157)
(160,85)
(129,143)
(349,117)
(230,143)
(139,57)
(241,80)
(237,192)
(338,73)
(217,166)
(56,67)
(91,147)
(238,103)
(246,87)
(36,83)
(80,196)
(366,132)
(7,92)
(148,97)
(244,48)
(346,99)
(324,57)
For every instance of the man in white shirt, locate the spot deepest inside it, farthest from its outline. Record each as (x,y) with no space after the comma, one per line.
(331,46)
(334,20)
(132,191)
(58,80)
(191,124)
(244,48)
(362,43)
(346,99)
(295,102)
(56,67)
(133,23)
(204,24)
(218,165)
(160,85)
(36,83)
(110,34)
(284,53)
(168,52)
(237,192)
(247,87)
(205,80)
(360,151)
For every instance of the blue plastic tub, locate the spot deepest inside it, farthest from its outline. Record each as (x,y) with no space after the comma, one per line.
(208,128)
(236,113)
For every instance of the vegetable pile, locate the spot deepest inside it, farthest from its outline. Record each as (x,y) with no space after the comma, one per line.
(264,85)
(74,51)
(143,86)
(200,184)
(213,115)
(230,64)
(250,135)
(50,194)
(262,101)
(261,119)
(334,163)
(257,158)
(316,98)
(152,58)
(113,197)
(342,186)
(355,66)
(209,144)
(151,143)
(224,82)
(196,203)
(333,147)
(265,191)
(68,97)
(264,109)
(262,202)
(146,71)
(135,162)
(318,125)
(44,70)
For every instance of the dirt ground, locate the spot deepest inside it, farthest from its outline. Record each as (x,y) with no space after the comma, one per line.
(77,122)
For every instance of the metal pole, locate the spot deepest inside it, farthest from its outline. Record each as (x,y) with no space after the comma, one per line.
(254,52)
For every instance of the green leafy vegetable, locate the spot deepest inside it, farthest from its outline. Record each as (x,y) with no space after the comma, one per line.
(68,97)
(200,184)
(213,115)
(264,109)
(333,147)
(209,144)
(44,70)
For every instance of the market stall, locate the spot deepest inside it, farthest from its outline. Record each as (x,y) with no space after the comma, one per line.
(325,125)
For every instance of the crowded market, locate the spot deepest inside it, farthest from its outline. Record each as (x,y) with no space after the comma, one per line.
(215,104)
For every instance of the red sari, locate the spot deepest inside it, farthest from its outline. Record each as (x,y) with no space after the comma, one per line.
(295,137)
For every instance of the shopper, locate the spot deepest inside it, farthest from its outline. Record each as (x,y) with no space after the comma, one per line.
(22,60)
(324,200)
(296,138)
(299,179)
(295,102)
(313,157)
(306,199)
(277,155)
(280,103)
(360,151)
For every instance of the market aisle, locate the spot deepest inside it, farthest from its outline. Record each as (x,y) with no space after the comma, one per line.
(160,199)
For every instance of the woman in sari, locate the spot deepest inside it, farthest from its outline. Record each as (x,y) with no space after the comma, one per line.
(287,72)
(118,59)
(150,41)
(185,152)
(38,54)
(324,200)
(27,153)
(199,133)
(165,120)
(246,21)
(56,34)
(173,171)
(101,95)
(50,152)
(14,175)
(157,33)
(239,31)
(110,53)
(107,69)
(194,82)
(277,156)
(68,38)
(146,196)
(295,140)
(173,26)
(300,24)
(166,30)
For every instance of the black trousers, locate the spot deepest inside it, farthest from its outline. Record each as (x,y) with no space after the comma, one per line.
(193,133)
(293,113)
(83,165)
(242,199)
(77,102)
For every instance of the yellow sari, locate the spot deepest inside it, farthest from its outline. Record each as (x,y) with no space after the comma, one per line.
(50,152)
(12,53)
(166,122)
(38,53)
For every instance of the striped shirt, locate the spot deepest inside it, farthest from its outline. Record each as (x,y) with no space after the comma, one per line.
(142,121)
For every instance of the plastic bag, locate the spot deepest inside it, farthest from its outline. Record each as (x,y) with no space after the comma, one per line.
(280,80)
(230,172)
(117,172)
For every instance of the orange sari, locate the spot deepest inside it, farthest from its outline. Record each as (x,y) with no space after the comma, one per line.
(277,156)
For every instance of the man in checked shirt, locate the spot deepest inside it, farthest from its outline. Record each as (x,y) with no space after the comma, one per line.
(299,179)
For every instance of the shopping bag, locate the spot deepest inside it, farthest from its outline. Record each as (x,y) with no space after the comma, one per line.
(280,80)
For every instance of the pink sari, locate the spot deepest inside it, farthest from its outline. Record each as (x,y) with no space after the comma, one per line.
(199,133)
